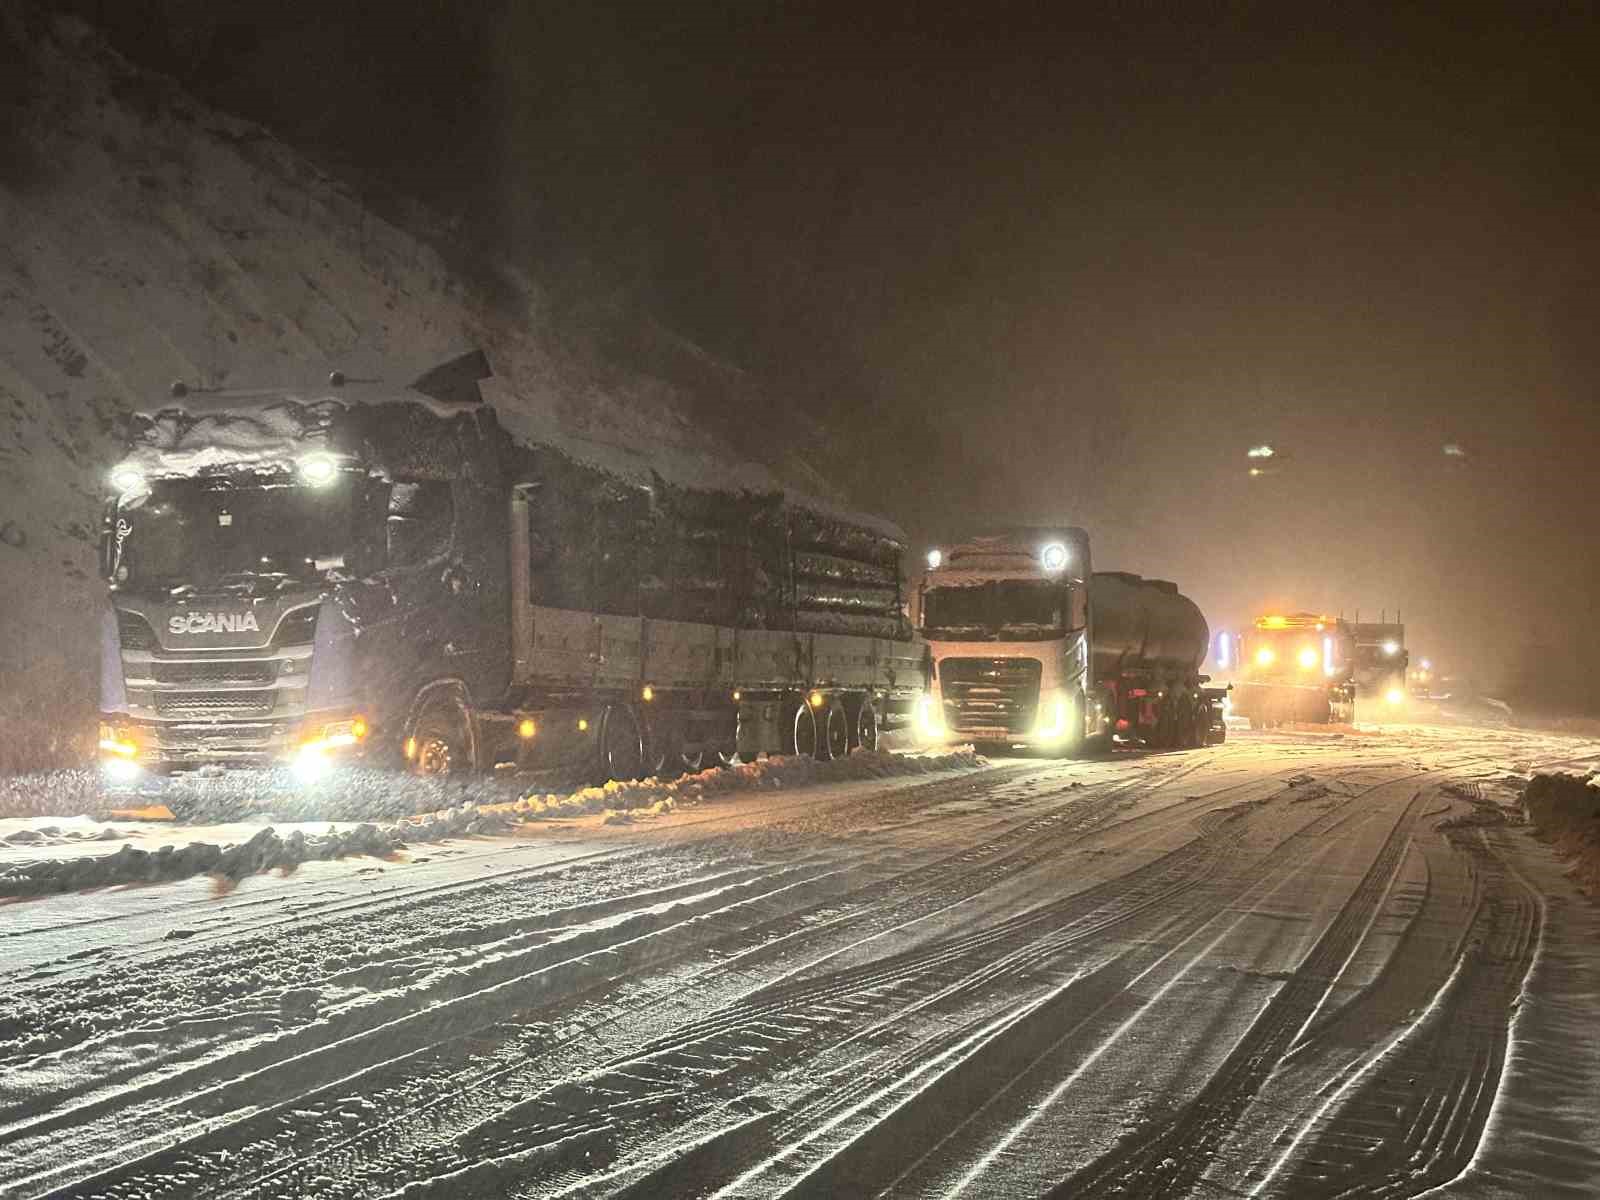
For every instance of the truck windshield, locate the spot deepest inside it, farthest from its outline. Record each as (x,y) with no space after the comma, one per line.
(226,530)
(1016,610)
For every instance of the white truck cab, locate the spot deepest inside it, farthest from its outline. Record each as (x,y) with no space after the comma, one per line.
(1006,619)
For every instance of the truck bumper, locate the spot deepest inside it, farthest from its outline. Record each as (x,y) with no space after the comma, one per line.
(130,748)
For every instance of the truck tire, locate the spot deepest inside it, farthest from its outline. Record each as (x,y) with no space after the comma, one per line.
(661,756)
(619,748)
(834,731)
(799,731)
(443,735)
(866,726)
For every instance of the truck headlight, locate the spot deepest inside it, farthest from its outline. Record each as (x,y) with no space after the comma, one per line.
(1055,718)
(118,743)
(930,721)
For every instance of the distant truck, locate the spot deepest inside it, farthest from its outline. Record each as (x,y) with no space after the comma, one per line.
(379,574)
(1295,668)
(1380,663)
(1031,646)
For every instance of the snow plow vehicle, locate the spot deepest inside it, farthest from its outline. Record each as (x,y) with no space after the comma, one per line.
(1294,669)
(361,573)
(1031,646)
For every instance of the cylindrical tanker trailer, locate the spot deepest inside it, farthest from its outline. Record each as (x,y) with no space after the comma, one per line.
(1031,646)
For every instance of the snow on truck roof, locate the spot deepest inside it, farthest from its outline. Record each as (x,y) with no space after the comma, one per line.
(271,428)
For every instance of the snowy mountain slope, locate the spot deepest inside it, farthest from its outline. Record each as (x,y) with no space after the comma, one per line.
(150,239)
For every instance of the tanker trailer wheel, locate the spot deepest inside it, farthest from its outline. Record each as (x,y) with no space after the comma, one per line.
(619,748)
(442,740)
(866,726)
(1189,725)
(799,732)
(834,726)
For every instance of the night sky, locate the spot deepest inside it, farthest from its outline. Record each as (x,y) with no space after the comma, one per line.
(1056,271)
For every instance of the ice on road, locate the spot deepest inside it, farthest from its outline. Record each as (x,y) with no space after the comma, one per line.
(1296,965)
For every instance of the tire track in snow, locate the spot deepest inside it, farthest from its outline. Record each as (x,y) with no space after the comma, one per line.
(932,1078)
(1169,1159)
(180,1087)
(1089,808)
(1416,1113)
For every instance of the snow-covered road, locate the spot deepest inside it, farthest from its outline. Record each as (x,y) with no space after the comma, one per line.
(1291,965)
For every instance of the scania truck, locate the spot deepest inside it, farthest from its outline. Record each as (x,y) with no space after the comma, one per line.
(359,572)
(1033,647)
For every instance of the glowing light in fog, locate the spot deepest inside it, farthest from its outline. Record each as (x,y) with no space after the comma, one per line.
(1259,452)
(1053,557)
(1222,649)
(127,479)
(1308,657)
(1265,657)
(1327,656)
(310,765)
(935,559)
(119,770)
(1394,695)
(1391,648)
(318,469)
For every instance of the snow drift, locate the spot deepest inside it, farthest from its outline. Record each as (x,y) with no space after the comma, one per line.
(618,803)
(1565,809)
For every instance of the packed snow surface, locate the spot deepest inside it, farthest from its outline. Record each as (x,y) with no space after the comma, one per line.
(1284,966)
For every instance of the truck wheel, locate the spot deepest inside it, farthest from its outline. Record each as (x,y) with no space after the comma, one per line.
(442,737)
(800,731)
(867,726)
(663,750)
(835,730)
(620,747)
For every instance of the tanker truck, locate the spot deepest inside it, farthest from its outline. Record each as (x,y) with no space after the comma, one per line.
(1032,647)
(362,573)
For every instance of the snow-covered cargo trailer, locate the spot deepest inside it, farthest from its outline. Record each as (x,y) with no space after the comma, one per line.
(1031,646)
(361,572)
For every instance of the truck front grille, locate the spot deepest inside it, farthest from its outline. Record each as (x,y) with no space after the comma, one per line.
(192,737)
(990,694)
(221,704)
(257,671)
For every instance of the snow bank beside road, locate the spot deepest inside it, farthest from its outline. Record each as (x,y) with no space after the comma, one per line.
(1565,809)
(96,864)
